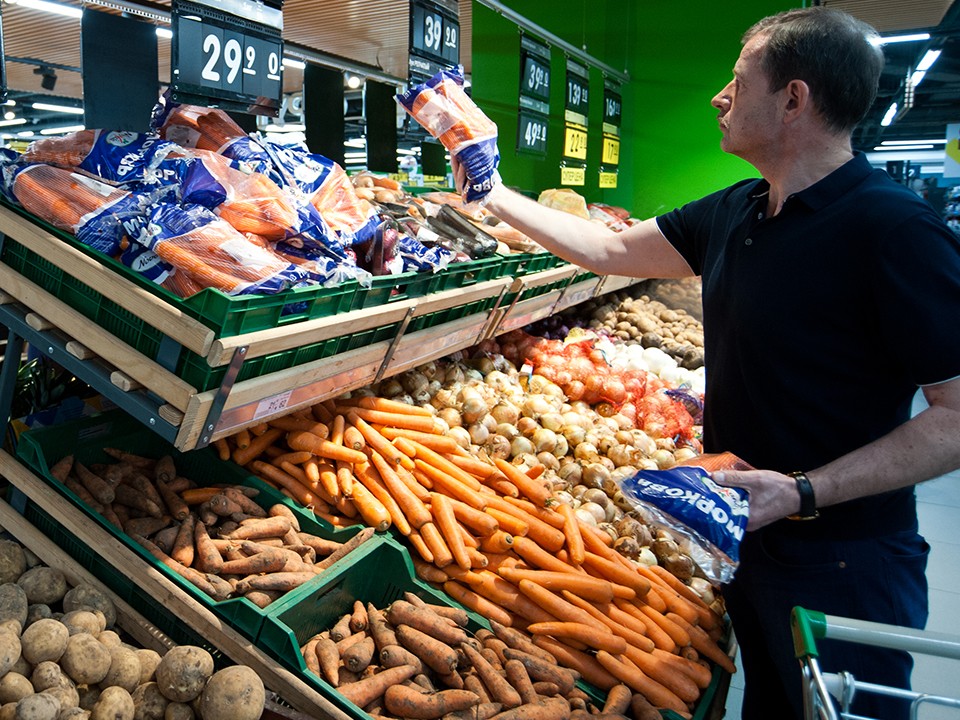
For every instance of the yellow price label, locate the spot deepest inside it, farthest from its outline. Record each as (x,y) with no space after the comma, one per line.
(575,143)
(608,180)
(611,151)
(573,176)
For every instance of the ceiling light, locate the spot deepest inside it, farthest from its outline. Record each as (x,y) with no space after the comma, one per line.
(296,64)
(57,108)
(901,38)
(286,127)
(355,143)
(889,115)
(25,133)
(9,115)
(904,147)
(929,59)
(61,130)
(354,156)
(353,82)
(48,76)
(165,33)
(50,7)
(914,142)
(10,103)
(932,169)
(14,121)
(917,77)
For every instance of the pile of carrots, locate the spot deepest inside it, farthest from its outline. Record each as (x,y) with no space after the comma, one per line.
(217,537)
(494,539)
(415,659)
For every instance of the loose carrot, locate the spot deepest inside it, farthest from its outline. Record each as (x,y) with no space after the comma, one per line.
(436,654)
(548,515)
(207,558)
(223,449)
(705,645)
(442,555)
(506,595)
(102,491)
(479,604)
(345,477)
(346,548)
(276,526)
(545,535)
(425,620)
(604,613)
(362,692)
(579,584)
(297,457)
(242,438)
(298,491)
(615,572)
(309,653)
(449,485)
(370,508)
(414,485)
(438,461)
(412,506)
(368,476)
(375,440)
(480,469)
(533,489)
(498,542)
(403,701)
(557,606)
(707,617)
(700,674)
(175,505)
(480,522)
(395,655)
(497,686)
(677,682)
(188,574)
(420,545)
(634,678)
(652,630)
(443,515)
(571,531)
(586,634)
(184,548)
(680,636)
(242,456)
(301,440)
(507,522)
(541,665)
(328,660)
(353,439)
(290,423)
(196,496)
(423,423)
(437,443)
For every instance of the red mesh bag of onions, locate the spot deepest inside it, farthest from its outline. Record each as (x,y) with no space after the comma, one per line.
(583,373)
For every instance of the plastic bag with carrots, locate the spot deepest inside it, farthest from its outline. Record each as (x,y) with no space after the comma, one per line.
(710,518)
(445,111)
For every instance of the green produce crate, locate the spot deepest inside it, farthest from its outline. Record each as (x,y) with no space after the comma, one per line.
(467,273)
(429,320)
(520,264)
(86,438)
(375,573)
(226,315)
(393,288)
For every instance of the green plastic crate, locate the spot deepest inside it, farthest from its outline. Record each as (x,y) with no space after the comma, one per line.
(467,273)
(393,288)
(520,264)
(86,438)
(376,573)
(429,320)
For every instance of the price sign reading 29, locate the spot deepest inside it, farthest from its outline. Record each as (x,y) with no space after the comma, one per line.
(226,60)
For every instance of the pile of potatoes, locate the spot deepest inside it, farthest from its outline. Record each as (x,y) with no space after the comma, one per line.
(61,658)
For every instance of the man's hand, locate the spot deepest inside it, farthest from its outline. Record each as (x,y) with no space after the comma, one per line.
(459,174)
(772,496)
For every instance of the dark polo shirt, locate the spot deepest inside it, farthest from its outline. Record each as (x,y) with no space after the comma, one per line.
(820,323)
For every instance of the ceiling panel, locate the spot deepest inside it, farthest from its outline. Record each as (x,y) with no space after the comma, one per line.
(895,15)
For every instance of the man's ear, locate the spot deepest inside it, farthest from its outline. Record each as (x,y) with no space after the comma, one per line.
(797,100)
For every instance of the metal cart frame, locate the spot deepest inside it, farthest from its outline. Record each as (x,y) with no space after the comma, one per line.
(821,691)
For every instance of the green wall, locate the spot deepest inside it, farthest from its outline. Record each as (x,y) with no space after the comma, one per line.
(678,55)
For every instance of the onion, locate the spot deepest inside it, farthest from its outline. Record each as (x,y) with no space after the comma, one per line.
(497,446)
(525,461)
(644,443)
(445,398)
(585,451)
(478,433)
(505,413)
(571,472)
(621,455)
(429,370)
(563,496)
(521,446)
(598,511)
(536,405)
(544,440)
(527,426)
(702,588)
(473,409)
(454,374)
(548,460)
(442,426)
(595,475)
(614,390)
(508,431)
(585,516)
(663,459)
(595,495)
(575,390)
(414,382)
(551,421)
(683,454)
(562,447)
(390,388)
(573,433)
(461,435)
(646,557)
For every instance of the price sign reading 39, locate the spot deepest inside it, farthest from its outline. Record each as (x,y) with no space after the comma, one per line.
(434,34)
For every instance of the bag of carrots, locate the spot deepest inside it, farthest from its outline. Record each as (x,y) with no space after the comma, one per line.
(193,126)
(212,253)
(250,201)
(445,111)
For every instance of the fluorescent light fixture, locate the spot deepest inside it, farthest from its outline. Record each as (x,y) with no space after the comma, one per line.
(286,127)
(296,64)
(917,77)
(901,38)
(354,156)
(50,7)
(903,148)
(61,130)
(932,169)
(57,108)
(355,143)
(14,121)
(889,115)
(914,142)
(353,82)
(928,60)
(9,115)
(25,133)
(402,151)
(165,33)
(10,103)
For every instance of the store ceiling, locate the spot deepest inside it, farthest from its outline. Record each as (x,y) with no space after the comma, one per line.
(373,33)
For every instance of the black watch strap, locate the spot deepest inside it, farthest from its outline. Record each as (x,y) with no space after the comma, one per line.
(808,503)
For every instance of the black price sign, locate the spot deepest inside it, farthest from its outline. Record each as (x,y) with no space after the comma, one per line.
(3,64)
(612,107)
(577,101)
(225,60)
(532,133)
(434,32)
(535,77)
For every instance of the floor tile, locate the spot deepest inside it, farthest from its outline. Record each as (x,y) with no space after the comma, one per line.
(942,491)
(734,703)
(938,523)
(944,611)
(943,567)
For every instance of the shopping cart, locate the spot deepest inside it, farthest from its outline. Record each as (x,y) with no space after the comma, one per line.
(823,692)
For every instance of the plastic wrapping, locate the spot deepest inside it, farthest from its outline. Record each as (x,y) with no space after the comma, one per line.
(685,500)
(195,127)
(211,253)
(445,111)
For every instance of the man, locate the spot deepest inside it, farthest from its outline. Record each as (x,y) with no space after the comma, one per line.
(811,277)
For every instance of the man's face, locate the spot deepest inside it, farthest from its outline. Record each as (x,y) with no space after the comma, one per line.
(749,114)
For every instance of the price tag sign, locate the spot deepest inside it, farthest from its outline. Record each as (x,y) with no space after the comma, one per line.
(224,60)
(3,63)
(534,74)
(435,31)
(577,99)
(573,176)
(575,142)
(272,405)
(612,109)
(611,151)
(532,133)
(608,180)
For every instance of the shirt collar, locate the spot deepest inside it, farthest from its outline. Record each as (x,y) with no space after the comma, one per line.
(825,191)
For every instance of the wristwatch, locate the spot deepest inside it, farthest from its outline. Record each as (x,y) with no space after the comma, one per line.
(808,503)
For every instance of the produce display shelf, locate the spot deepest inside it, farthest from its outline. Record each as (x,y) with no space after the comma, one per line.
(378,576)
(154,589)
(85,439)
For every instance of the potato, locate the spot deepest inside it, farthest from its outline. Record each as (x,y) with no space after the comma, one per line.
(9,651)
(22,666)
(8,711)
(89,694)
(46,675)
(183,672)
(81,621)
(149,659)
(14,687)
(75,713)
(38,611)
(179,711)
(13,561)
(46,639)
(38,707)
(148,702)
(115,703)
(43,585)
(67,696)
(109,638)
(89,597)
(13,604)
(234,693)
(124,669)
(85,660)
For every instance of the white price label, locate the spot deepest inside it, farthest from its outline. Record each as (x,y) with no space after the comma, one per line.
(272,405)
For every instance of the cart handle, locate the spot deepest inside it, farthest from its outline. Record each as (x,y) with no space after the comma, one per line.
(808,625)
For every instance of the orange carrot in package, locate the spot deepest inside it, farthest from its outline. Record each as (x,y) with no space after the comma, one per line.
(199,127)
